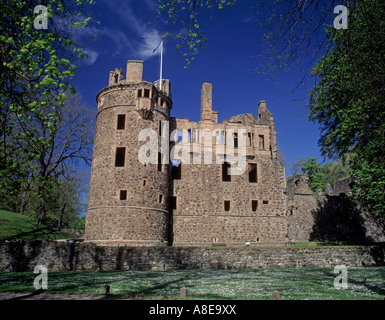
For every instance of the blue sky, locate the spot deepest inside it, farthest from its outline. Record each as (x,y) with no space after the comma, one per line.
(233,39)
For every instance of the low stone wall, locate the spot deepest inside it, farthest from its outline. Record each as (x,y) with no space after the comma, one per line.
(60,256)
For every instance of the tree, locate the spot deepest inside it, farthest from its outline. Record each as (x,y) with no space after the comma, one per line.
(321,175)
(294,29)
(189,38)
(36,71)
(62,200)
(281,157)
(296,167)
(334,171)
(71,143)
(348,102)
(315,172)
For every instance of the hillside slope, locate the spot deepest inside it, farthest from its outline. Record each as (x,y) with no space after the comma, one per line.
(20,227)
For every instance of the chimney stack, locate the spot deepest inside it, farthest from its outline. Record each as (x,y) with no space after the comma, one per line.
(206,101)
(134,71)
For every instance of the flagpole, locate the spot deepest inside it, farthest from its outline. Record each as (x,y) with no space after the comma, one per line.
(161,64)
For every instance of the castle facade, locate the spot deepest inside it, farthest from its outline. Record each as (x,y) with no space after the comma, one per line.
(195,192)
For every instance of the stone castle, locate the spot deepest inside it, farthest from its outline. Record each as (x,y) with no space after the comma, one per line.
(194,200)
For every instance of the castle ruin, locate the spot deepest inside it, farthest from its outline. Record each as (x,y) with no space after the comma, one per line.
(191,199)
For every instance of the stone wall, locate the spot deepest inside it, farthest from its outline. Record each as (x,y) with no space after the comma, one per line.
(256,211)
(329,217)
(301,202)
(61,256)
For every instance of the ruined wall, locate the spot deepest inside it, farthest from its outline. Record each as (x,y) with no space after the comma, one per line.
(329,217)
(256,211)
(301,202)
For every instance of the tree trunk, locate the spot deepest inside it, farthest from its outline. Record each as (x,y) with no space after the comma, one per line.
(23,199)
(42,208)
(62,209)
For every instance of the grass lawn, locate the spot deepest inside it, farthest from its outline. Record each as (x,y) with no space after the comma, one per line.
(26,228)
(293,284)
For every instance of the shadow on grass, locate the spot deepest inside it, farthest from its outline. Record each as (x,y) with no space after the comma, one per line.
(300,283)
(147,283)
(41,233)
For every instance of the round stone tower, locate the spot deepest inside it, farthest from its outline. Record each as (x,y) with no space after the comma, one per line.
(128,199)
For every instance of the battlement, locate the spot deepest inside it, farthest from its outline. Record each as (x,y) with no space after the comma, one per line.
(134,93)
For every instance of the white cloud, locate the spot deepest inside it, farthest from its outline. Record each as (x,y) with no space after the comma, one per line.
(123,10)
(90,56)
(135,40)
(151,40)
(119,39)
(149,36)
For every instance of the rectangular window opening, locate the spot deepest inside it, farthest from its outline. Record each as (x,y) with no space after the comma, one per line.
(176,169)
(235,140)
(120,157)
(146,93)
(173,203)
(261,142)
(195,136)
(225,172)
(123,194)
(226,205)
(253,172)
(159,162)
(139,93)
(265,202)
(121,121)
(220,137)
(144,183)
(179,135)
(160,198)
(254,205)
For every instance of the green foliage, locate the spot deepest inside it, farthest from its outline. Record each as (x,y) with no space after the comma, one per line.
(62,202)
(321,175)
(189,38)
(334,171)
(36,67)
(315,172)
(369,186)
(293,29)
(79,223)
(348,101)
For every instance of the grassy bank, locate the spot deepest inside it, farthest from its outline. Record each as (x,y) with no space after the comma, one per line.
(20,227)
(293,284)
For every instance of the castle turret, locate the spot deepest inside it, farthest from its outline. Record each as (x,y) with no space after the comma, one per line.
(128,200)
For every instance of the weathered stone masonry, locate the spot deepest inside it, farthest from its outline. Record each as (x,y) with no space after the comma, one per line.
(194,203)
(63,256)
